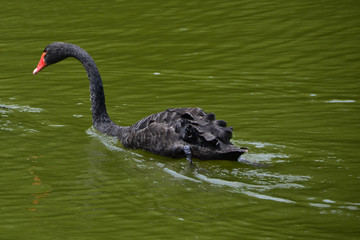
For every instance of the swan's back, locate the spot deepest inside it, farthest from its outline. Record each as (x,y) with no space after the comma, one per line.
(166,133)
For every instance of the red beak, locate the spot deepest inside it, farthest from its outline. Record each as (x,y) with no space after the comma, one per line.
(41,64)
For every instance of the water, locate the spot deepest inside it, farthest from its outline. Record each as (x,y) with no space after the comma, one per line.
(283,74)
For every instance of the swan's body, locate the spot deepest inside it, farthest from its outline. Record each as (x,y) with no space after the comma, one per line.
(178,132)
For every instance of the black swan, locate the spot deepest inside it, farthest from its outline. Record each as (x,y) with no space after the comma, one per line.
(177,132)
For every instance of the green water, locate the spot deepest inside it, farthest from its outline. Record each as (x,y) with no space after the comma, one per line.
(284,74)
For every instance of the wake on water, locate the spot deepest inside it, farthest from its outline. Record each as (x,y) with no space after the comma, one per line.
(256,189)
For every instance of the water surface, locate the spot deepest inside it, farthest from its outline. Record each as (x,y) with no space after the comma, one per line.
(284,75)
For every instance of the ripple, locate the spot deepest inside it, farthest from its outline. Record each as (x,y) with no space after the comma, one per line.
(262,181)
(340,101)
(320,205)
(255,158)
(244,188)
(179,175)
(265,157)
(12,121)
(19,108)
(258,144)
(267,197)
(108,141)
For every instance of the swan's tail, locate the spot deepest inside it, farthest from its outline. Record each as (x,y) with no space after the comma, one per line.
(209,138)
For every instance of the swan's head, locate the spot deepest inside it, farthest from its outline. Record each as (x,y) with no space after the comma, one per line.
(53,53)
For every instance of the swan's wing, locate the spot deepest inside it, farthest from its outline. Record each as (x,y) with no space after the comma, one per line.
(156,135)
(166,133)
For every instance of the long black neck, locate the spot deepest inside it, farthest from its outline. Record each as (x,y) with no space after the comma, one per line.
(100,117)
